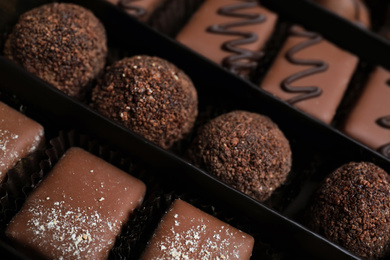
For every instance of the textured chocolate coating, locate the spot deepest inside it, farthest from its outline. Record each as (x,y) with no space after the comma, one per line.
(77,211)
(186,232)
(141,9)
(231,33)
(312,73)
(150,96)
(245,150)
(352,209)
(367,120)
(63,44)
(19,136)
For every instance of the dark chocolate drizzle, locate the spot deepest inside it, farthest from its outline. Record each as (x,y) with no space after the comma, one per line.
(136,10)
(385,123)
(319,66)
(242,59)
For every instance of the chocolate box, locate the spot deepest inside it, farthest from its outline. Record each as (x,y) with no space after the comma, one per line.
(317,148)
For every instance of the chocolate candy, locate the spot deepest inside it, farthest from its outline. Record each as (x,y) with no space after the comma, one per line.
(63,44)
(352,208)
(150,96)
(141,9)
(246,150)
(77,211)
(231,33)
(369,119)
(311,73)
(186,232)
(19,136)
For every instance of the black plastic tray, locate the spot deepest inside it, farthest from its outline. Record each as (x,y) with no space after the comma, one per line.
(317,148)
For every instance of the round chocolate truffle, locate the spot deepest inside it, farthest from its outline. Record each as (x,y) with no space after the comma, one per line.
(352,208)
(150,96)
(63,44)
(245,150)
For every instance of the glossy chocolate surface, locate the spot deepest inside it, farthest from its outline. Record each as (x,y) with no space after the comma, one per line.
(78,209)
(312,73)
(319,92)
(19,136)
(368,121)
(231,33)
(142,9)
(186,232)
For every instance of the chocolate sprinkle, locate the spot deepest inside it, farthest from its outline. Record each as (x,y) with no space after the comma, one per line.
(245,150)
(352,209)
(150,96)
(63,44)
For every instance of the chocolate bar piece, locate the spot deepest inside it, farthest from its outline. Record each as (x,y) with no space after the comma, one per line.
(186,232)
(231,33)
(77,210)
(369,120)
(141,9)
(19,136)
(311,73)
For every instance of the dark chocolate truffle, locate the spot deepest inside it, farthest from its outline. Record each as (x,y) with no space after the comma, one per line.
(352,208)
(150,96)
(63,44)
(245,150)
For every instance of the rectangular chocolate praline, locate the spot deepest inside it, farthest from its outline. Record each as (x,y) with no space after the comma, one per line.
(231,33)
(186,232)
(369,119)
(19,136)
(141,9)
(311,73)
(77,210)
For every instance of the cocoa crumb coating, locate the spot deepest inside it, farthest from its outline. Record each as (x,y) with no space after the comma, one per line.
(63,44)
(150,96)
(245,150)
(352,208)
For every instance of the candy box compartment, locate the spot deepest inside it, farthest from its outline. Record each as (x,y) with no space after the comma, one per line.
(317,148)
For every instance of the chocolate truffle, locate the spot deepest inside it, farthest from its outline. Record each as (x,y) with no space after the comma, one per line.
(77,211)
(150,96)
(352,208)
(19,136)
(245,150)
(63,44)
(186,232)
(310,72)
(231,33)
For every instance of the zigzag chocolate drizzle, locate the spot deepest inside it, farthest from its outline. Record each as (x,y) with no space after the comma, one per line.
(243,59)
(319,66)
(385,123)
(127,5)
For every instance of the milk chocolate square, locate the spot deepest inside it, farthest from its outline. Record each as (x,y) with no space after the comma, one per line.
(19,136)
(186,232)
(77,211)
(231,33)
(310,73)
(141,9)
(369,119)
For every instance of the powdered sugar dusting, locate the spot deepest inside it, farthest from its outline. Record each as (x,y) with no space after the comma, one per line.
(6,137)
(67,231)
(199,241)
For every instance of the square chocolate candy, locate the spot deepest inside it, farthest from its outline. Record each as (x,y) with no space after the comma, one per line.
(77,211)
(186,232)
(19,136)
